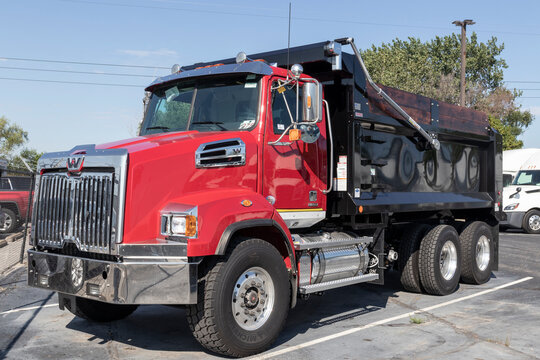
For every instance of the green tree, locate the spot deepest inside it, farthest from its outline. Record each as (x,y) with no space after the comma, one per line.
(432,69)
(12,138)
(30,156)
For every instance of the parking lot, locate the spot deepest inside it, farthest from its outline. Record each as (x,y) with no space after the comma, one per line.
(498,320)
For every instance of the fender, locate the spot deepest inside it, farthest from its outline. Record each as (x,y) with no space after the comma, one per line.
(276,223)
(11,204)
(231,229)
(221,213)
(218,209)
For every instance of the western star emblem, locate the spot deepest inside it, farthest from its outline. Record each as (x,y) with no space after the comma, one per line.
(75,164)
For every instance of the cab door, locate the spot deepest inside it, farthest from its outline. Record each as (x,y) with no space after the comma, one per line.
(294,172)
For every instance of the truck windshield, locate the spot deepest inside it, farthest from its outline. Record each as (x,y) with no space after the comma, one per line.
(527,177)
(223,104)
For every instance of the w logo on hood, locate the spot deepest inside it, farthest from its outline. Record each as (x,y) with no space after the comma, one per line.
(75,164)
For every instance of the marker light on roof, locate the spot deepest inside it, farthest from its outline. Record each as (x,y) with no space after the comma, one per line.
(175,68)
(241,57)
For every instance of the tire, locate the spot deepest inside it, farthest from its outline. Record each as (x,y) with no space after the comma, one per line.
(439,261)
(10,221)
(215,320)
(531,222)
(98,311)
(476,253)
(409,248)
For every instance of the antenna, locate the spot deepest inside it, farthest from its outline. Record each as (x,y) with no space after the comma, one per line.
(289,41)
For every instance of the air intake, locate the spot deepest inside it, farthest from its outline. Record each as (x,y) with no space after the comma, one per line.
(230,152)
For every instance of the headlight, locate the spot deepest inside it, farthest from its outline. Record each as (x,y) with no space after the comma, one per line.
(511,207)
(178,225)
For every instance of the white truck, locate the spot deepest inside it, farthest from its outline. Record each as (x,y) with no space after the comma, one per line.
(512,161)
(521,199)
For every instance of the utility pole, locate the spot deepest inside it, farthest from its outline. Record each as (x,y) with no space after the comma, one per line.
(463,25)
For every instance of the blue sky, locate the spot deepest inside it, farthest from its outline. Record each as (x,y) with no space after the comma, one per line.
(159,33)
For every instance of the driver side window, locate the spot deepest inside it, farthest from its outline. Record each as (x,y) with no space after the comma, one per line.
(280,115)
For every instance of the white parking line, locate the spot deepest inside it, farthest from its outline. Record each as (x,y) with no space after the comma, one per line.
(27,309)
(385,321)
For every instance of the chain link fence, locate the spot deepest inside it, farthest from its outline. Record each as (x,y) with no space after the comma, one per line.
(16,192)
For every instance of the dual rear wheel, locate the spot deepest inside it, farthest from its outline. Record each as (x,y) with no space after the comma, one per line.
(433,259)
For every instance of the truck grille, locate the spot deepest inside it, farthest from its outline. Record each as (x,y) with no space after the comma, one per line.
(75,209)
(221,153)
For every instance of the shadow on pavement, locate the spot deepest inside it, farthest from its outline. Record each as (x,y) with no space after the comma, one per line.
(164,328)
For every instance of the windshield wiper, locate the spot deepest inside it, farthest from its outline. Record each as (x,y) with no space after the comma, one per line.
(158,127)
(218,123)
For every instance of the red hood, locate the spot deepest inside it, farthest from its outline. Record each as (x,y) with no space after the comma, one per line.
(149,141)
(162,171)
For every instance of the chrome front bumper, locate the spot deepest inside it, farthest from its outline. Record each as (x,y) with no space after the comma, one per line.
(134,281)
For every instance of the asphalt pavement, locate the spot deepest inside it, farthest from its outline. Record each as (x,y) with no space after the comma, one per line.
(497,320)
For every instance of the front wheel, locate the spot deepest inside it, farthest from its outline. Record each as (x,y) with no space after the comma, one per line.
(243,302)
(531,222)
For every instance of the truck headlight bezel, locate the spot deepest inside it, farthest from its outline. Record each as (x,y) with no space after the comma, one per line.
(511,207)
(179,220)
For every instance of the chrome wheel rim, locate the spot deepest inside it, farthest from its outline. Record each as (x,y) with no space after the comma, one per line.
(253,298)
(7,222)
(534,222)
(448,260)
(482,253)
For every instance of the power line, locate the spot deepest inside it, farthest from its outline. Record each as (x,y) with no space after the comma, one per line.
(83,63)
(89,2)
(74,72)
(71,82)
(169,8)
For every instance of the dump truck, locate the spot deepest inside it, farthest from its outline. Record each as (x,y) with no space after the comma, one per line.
(262,179)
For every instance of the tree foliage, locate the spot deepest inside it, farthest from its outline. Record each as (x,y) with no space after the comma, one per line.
(12,138)
(30,156)
(433,68)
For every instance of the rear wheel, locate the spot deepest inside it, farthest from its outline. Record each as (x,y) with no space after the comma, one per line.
(99,311)
(531,222)
(409,248)
(477,253)
(440,260)
(243,300)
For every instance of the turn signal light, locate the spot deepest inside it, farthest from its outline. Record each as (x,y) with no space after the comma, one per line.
(294,134)
(191,225)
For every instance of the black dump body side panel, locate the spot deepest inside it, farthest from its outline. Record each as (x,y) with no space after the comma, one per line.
(391,169)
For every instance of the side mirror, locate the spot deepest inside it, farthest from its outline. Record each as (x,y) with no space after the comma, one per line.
(518,190)
(309,133)
(312,102)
